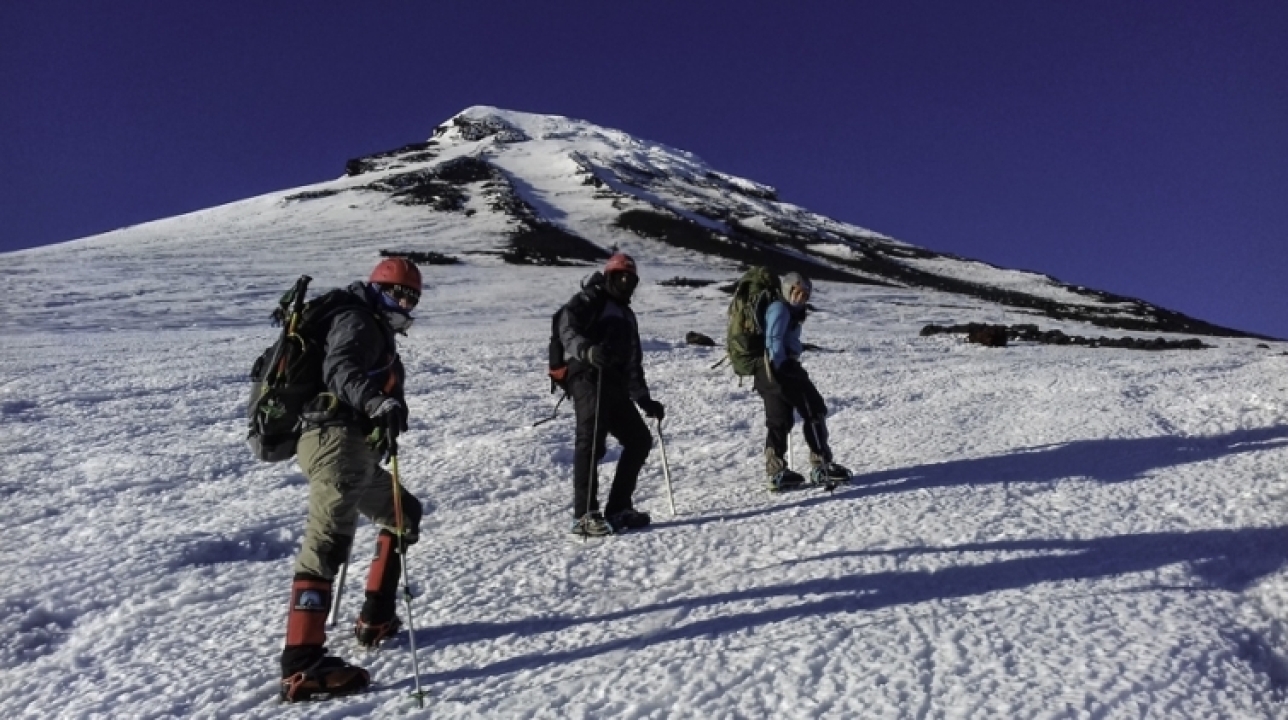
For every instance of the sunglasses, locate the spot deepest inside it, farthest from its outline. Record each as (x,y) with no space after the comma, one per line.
(625,279)
(405,296)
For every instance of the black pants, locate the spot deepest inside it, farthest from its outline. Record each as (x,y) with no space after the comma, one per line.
(619,418)
(788,392)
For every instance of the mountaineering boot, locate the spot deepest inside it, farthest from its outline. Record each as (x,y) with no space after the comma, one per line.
(629,519)
(829,475)
(328,677)
(780,476)
(371,635)
(786,480)
(377,621)
(591,525)
(307,671)
(826,473)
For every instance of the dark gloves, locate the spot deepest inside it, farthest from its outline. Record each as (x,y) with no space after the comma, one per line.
(651,408)
(390,419)
(594,356)
(790,370)
(387,412)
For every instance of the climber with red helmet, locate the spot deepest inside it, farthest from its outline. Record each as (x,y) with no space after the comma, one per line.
(606,381)
(346,434)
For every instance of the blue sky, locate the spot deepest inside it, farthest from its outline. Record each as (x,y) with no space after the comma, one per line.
(1135,147)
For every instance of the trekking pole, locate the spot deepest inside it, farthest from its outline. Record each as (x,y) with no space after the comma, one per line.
(594,437)
(553,414)
(666,468)
(400,533)
(790,459)
(339,586)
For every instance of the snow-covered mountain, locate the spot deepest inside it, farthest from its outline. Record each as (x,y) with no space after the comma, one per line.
(1034,532)
(542,189)
(562,189)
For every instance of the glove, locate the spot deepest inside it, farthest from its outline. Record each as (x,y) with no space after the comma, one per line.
(652,408)
(595,356)
(790,370)
(387,412)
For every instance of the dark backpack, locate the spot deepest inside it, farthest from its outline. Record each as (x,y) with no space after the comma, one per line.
(558,370)
(745,339)
(288,374)
(558,363)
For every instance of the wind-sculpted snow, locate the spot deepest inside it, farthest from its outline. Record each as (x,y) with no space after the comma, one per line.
(1035,531)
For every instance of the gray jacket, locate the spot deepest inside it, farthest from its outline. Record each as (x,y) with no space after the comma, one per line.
(361,358)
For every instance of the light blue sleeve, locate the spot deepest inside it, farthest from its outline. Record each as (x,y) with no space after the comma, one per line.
(777,319)
(793,341)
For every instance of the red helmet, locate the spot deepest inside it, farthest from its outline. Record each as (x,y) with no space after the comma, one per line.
(620,262)
(397,271)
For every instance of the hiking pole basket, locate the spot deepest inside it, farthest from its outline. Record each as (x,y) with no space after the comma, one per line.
(666,467)
(400,533)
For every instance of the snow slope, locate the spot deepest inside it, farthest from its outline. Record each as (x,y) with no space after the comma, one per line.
(1036,532)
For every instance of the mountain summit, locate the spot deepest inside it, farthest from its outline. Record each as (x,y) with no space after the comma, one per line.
(552,189)
(495,185)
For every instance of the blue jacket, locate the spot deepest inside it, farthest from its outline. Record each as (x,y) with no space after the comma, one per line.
(782,333)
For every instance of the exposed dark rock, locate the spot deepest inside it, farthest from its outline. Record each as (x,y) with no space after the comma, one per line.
(475,129)
(439,187)
(686,234)
(530,256)
(422,257)
(551,241)
(987,334)
(464,170)
(311,195)
(533,242)
(358,166)
(415,152)
(697,338)
(771,239)
(422,187)
(753,190)
(687,282)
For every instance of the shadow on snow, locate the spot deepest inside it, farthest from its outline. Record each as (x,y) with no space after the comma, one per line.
(1222,560)
(1110,460)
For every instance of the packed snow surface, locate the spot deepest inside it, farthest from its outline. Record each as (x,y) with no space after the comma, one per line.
(1034,532)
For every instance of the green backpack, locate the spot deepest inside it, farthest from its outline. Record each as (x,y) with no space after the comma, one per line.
(745,340)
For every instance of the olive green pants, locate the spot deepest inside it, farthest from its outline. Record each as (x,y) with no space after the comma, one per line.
(345,479)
